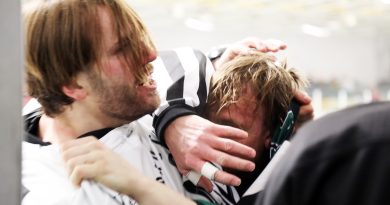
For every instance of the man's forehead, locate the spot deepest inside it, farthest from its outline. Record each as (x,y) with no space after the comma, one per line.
(246,100)
(247,93)
(105,18)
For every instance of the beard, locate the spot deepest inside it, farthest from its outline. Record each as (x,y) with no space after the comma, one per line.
(123,102)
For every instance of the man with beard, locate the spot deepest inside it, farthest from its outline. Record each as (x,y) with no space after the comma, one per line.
(88,65)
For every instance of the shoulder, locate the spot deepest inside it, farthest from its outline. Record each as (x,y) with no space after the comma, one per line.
(181,52)
(340,134)
(348,129)
(180,58)
(345,150)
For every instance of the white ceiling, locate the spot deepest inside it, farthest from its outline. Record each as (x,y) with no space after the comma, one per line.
(326,17)
(343,40)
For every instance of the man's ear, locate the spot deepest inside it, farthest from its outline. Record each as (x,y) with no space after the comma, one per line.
(76,89)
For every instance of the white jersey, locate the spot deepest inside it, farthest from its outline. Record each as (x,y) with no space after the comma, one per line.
(46,180)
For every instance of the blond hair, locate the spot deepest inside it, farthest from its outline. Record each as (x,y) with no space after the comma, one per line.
(272,85)
(64,38)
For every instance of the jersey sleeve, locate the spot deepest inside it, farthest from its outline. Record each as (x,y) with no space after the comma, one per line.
(183,79)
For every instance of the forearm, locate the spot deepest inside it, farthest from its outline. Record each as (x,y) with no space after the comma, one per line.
(149,192)
(184,80)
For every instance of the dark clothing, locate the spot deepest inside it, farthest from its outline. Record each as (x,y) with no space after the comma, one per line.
(31,123)
(248,178)
(342,158)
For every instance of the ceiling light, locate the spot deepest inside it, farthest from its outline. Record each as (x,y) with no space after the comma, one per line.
(350,20)
(199,25)
(386,1)
(315,31)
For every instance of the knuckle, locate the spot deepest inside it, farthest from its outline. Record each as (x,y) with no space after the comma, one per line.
(193,148)
(79,173)
(228,146)
(187,161)
(96,144)
(218,176)
(182,171)
(92,143)
(71,164)
(229,180)
(102,154)
(221,160)
(201,136)
(211,129)
(64,147)
(221,177)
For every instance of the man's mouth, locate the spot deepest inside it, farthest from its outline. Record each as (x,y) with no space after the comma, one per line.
(148,83)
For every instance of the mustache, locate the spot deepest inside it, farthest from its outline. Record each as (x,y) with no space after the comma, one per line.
(144,75)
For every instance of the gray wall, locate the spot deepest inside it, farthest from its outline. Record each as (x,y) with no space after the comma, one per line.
(10,98)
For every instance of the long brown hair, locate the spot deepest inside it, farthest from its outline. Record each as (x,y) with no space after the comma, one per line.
(64,38)
(273,85)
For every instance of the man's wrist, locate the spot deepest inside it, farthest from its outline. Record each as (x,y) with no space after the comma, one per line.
(138,187)
(167,117)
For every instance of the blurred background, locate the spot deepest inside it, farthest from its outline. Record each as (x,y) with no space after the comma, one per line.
(343,46)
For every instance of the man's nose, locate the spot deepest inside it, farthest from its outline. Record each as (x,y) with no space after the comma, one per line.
(152,55)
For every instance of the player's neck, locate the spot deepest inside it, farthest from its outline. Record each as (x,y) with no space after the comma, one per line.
(70,124)
(56,130)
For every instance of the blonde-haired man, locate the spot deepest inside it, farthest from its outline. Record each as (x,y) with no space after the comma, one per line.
(252,93)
